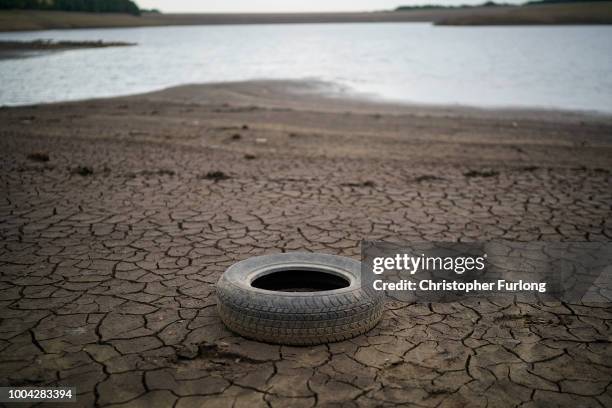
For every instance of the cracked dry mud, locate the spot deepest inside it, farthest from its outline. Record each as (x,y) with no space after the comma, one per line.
(111,248)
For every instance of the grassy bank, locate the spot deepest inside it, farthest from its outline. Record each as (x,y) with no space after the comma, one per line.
(576,13)
(21,20)
(573,13)
(25,20)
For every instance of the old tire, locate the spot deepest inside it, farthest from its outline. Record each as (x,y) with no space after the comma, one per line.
(297,318)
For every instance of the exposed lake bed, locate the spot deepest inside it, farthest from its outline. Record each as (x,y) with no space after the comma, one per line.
(120,215)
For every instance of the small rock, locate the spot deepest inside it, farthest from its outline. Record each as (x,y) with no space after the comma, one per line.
(485,173)
(82,171)
(367,183)
(216,176)
(187,352)
(428,177)
(39,157)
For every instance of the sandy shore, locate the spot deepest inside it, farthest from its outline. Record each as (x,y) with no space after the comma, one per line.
(119,215)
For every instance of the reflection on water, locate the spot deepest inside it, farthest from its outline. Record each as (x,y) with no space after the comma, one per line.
(566,67)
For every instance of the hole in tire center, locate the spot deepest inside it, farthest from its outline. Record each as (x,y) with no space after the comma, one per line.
(298,280)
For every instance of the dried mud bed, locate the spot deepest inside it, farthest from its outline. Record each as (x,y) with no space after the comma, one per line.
(111,249)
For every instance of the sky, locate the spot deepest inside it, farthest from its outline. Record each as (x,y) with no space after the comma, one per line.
(216,6)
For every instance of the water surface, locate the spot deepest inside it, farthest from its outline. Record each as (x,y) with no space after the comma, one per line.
(567,67)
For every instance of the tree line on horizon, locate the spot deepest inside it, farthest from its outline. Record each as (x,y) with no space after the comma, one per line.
(492,4)
(92,6)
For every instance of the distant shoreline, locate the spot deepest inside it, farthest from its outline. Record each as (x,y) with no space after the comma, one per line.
(573,13)
(19,49)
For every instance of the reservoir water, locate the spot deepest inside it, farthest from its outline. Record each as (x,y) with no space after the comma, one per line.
(564,67)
